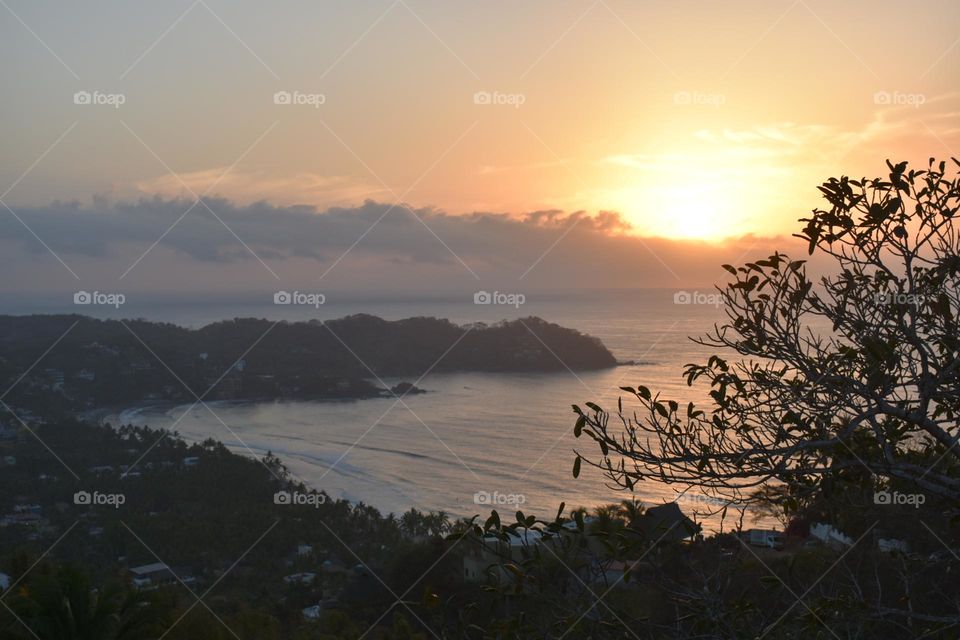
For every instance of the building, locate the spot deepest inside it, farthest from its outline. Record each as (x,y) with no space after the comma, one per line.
(101,469)
(666,522)
(769,538)
(829,535)
(305,578)
(491,551)
(893,545)
(151,576)
(54,378)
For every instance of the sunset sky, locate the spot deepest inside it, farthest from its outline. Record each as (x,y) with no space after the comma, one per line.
(514,130)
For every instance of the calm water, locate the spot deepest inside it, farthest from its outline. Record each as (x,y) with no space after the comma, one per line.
(506,433)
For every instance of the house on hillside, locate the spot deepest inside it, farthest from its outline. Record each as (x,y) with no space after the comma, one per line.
(666,522)
(312,614)
(491,551)
(304,578)
(830,536)
(569,545)
(151,576)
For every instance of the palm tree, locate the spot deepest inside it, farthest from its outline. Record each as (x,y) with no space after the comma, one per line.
(630,509)
(607,516)
(63,606)
(411,523)
(438,523)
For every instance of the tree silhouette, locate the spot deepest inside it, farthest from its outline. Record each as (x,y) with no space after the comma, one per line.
(63,606)
(856,377)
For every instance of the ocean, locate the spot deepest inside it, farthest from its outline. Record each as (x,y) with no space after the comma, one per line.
(473,435)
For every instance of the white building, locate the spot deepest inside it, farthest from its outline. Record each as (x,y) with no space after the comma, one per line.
(829,535)
(151,575)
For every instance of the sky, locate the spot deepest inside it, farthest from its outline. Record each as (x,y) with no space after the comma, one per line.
(197,144)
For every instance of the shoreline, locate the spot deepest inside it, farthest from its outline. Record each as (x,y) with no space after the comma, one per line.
(402,499)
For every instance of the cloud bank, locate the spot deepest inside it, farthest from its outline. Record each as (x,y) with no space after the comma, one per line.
(175,244)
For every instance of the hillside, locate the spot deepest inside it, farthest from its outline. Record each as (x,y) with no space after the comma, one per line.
(98,362)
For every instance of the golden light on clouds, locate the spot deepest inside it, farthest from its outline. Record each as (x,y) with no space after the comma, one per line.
(693,121)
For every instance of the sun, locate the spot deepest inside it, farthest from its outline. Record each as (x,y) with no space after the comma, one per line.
(703,193)
(698,212)
(682,211)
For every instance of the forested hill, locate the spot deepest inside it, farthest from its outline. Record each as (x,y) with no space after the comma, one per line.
(112,361)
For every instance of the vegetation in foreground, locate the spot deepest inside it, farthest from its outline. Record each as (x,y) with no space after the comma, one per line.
(848,434)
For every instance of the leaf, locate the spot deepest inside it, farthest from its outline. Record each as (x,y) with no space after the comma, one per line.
(576,467)
(514,569)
